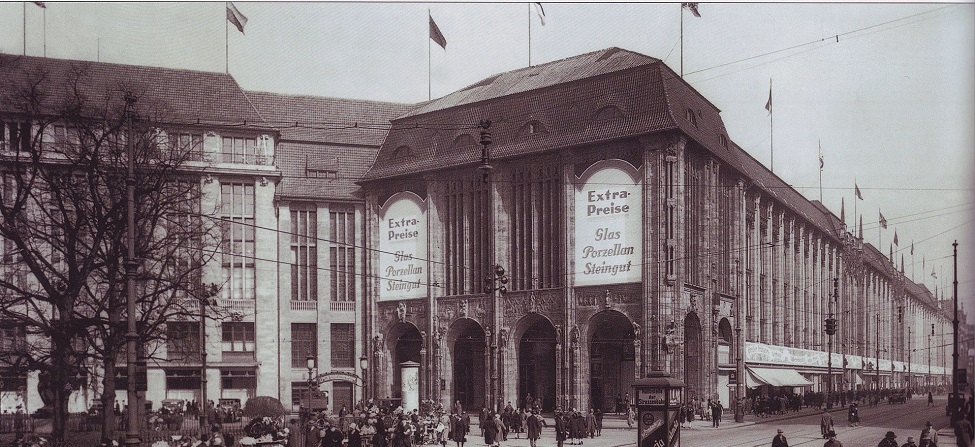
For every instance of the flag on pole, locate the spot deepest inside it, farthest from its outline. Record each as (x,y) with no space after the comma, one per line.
(691,7)
(235,17)
(895,238)
(856,190)
(821,164)
(41,4)
(436,35)
(912,248)
(933,274)
(883,222)
(540,11)
(768,104)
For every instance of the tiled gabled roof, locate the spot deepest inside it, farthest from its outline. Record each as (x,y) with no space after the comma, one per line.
(565,96)
(319,134)
(562,71)
(164,94)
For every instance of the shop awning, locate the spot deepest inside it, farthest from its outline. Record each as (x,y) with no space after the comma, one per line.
(779,377)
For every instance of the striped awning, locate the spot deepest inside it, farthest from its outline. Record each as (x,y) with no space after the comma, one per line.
(778,376)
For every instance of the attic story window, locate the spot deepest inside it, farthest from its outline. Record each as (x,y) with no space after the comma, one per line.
(323,173)
(691,116)
(723,140)
(401,153)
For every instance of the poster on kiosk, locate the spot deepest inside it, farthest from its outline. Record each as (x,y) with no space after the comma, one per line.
(658,398)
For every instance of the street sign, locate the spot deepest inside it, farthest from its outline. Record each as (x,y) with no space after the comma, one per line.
(733,378)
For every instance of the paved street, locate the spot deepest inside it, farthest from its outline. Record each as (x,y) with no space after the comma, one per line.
(801,429)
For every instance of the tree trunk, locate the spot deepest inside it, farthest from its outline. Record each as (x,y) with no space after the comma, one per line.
(60,388)
(109,422)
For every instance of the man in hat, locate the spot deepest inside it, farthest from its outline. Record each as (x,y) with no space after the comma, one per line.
(779,439)
(825,423)
(832,442)
(910,442)
(890,440)
(929,436)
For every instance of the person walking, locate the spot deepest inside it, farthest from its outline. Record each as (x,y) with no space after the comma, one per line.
(591,424)
(599,422)
(561,430)
(355,436)
(716,413)
(832,441)
(825,423)
(630,417)
(779,439)
(458,429)
(910,442)
(890,440)
(853,415)
(929,436)
(534,428)
(930,399)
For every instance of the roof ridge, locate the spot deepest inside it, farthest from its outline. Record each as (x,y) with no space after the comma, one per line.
(337,98)
(83,61)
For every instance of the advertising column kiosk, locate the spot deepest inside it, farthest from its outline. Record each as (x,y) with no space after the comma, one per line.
(658,398)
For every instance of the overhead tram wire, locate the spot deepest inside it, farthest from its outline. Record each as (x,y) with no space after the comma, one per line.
(824,39)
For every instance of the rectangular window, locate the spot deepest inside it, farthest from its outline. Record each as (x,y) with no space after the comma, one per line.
(183,341)
(343,345)
(183,379)
(238,336)
(186,143)
(13,337)
(238,380)
(535,241)
(304,343)
(239,150)
(304,253)
(237,211)
(342,253)
(12,380)
(467,237)
(299,392)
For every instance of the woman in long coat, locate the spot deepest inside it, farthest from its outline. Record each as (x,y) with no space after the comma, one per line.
(534,428)
(490,430)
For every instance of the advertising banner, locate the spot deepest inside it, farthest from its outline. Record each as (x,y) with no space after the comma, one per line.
(403,247)
(609,224)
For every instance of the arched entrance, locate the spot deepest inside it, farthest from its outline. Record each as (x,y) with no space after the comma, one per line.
(468,364)
(612,358)
(536,361)
(405,341)
(693,357)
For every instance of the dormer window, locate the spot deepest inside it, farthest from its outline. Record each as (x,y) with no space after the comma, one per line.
(401,153)
(691,117)
(533,127)
(723,140)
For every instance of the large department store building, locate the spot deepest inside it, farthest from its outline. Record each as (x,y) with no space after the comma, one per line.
(633,235)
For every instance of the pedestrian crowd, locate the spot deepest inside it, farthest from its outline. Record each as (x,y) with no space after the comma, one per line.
(962,416)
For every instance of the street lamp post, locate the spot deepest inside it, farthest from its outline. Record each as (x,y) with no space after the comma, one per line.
(955,410)
(132,438)
(739,360)
(364,366)
(310,363)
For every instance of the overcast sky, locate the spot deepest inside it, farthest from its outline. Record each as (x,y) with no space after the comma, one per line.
(888,90)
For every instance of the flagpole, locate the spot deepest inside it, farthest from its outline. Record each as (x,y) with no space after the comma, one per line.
(855,198)
(45,31)
(771,141)
(529,34)
(429,63)
(821,171)
(25,28)
(226,43)
(682,40)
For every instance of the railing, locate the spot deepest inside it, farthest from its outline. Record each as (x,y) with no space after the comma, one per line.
(304,305)
(342,306)
(236,305)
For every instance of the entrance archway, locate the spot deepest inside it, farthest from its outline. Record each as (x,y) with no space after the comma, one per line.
(612,358)
(693,357)
(536,361)
(406,342)
(468,364)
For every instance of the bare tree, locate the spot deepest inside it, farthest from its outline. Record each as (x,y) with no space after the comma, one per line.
(64,227)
